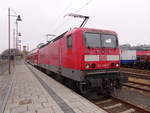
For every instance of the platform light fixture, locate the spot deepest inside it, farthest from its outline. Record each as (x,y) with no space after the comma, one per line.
(18,19)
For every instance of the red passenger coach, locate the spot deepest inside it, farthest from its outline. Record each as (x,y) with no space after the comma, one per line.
(143,59)
(89,58)
(32,57)
(142,53)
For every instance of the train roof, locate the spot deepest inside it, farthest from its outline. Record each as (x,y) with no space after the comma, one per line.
(141,53)
(80,29)
(33,51)
(58,37)
(96,30)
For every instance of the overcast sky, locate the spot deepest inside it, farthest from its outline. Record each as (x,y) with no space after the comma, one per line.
(129,18)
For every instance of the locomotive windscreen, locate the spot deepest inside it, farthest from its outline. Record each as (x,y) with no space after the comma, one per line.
(109,41)
(99,40)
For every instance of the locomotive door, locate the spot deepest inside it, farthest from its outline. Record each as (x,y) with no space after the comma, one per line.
(69,51)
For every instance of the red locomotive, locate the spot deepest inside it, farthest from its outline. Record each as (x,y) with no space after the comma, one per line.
(86,58)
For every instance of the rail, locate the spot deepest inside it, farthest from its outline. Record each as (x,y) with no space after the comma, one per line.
(139,87)
(117,105)
(113,103)
(137,75)
(136,70)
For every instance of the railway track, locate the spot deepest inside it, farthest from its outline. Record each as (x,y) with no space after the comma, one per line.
(137,86)
(143,71)
(138,73)
(117,105)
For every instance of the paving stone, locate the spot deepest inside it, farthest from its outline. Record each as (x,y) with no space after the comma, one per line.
(30,112)
(5,81)
(19,109)
(34,106)
(57,109)
(10,106)
(45,110)
(28,95)
(77,110)
(72,99)
(49,104)
(40,100)
(7,111)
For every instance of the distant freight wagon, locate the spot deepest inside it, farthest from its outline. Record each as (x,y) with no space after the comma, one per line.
(135,59)
(143,59)
(128,57)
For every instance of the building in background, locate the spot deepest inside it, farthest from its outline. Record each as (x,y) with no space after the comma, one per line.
(25,51)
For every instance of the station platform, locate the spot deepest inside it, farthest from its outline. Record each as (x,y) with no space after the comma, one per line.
(34,92)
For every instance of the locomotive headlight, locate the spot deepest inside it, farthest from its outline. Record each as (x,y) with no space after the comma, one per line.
(117,65)
(87,66)
(93,65)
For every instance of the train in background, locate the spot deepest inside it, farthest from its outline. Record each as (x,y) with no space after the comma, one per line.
(32,57)
(85,58)
(143,59)
(135,59)
(127,57)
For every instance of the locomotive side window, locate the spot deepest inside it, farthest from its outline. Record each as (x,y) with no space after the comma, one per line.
(69,41)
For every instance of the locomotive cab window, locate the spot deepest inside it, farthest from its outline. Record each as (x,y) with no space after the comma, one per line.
(100,40)
(109,41)
(92,40)
(69,41)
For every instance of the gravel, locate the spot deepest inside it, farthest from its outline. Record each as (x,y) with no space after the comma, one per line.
(134,97)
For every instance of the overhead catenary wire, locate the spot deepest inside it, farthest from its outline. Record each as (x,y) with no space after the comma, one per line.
(62,13)
(64,22)
(82,7)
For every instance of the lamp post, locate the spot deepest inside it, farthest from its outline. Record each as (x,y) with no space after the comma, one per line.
(18,19)
(14,38)
(17,33)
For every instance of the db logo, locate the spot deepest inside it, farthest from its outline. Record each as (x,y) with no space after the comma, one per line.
(103,57)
